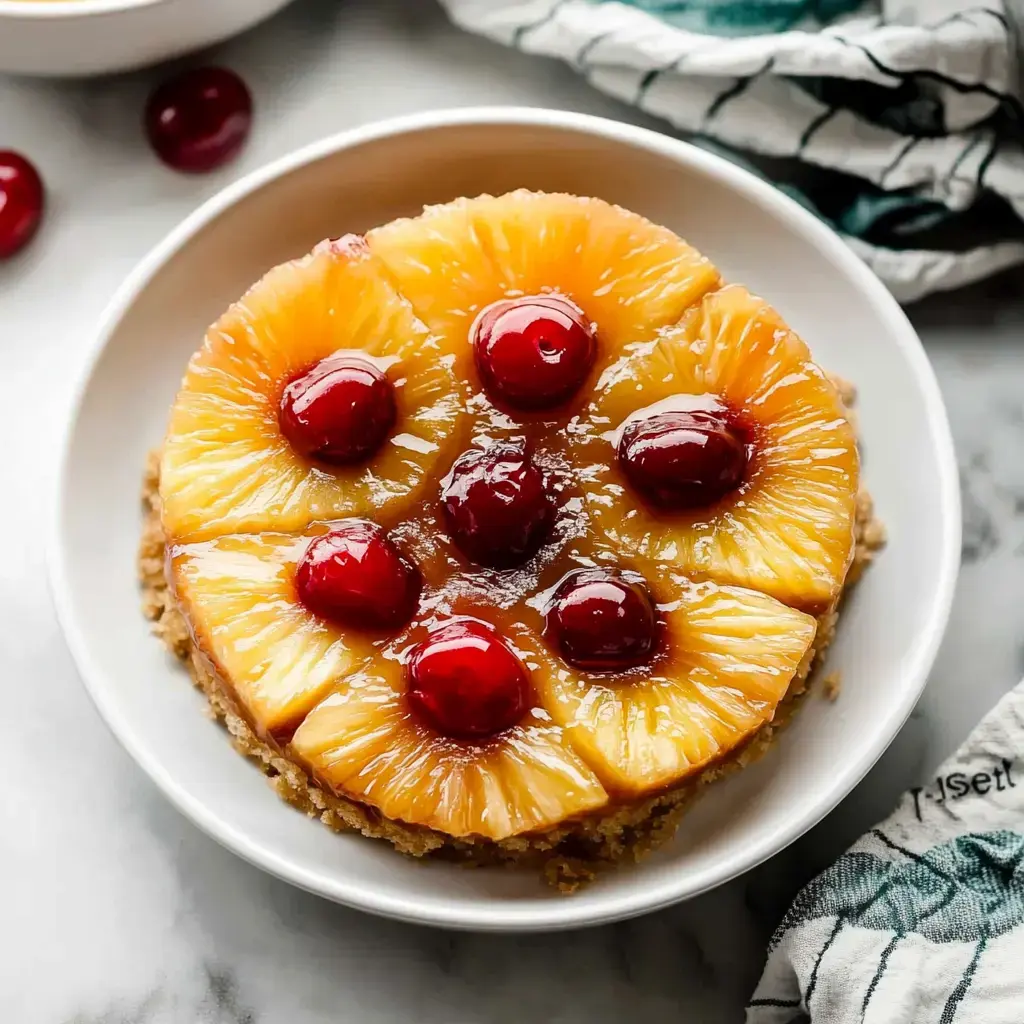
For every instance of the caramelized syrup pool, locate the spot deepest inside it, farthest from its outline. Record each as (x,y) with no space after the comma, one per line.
(515,600)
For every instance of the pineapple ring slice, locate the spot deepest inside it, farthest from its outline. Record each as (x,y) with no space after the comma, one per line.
(728,657)
(278,659)
(365,744)
(629,276)
(788,530)
(227,468)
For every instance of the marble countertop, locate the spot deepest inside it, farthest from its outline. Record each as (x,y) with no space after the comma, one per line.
(118,911)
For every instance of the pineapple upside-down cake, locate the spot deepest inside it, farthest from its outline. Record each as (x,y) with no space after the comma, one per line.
(497,530)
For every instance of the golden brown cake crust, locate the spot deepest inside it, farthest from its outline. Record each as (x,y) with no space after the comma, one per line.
(568,854)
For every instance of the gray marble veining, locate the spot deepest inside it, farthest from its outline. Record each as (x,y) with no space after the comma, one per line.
(115,909)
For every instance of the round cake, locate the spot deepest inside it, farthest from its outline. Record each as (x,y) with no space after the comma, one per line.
(496,531)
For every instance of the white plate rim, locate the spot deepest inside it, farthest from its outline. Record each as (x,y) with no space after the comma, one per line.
(68,10)
(567,913)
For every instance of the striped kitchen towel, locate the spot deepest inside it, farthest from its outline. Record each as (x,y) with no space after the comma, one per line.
(897,121)
(923,919)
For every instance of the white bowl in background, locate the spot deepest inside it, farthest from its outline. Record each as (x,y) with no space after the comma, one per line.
(89,37)
(890,628)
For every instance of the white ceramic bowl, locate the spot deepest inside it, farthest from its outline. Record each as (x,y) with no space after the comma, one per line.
(890,629)
(88,37)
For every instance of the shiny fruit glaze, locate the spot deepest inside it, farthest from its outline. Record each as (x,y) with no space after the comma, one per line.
(21,202)
(533,352)
(496,505)
(545,684)
(602,620)
(355,576)
(200,119)
(339,411)
(466,683)
(685,459)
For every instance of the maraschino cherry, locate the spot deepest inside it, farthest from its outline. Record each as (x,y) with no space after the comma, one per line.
(601,620)
(533,352)
(339,411)
(200,119)
(683,460)
(355,576)
(465,682)
(21,202)
(496,505)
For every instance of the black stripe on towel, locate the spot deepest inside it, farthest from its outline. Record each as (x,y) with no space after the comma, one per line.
(958,162)
(738,87)
(984,165)
(968,16)
(897,160)
(812,128)
(917,858)
(580,60)
(956,997)
(523,30)
(883,962)
(817,963)
(933,76)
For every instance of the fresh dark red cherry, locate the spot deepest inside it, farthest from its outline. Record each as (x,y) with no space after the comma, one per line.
(683,460)
(465,682)
(355,576)
(533,352)
(340,411)
(21,202)
(601,620)
(496,505)
(200,119)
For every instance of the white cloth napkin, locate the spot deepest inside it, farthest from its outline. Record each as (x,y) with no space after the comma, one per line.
(897,121)
(922,921)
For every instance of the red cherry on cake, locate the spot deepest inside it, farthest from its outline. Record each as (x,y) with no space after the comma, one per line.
(600,620)
(683,460)
(21,202)
(533,352)
(496,505)
(340,411)
(200,119)
(355,576)
(465,682)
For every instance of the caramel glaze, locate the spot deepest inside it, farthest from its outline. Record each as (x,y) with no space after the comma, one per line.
(513,600)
